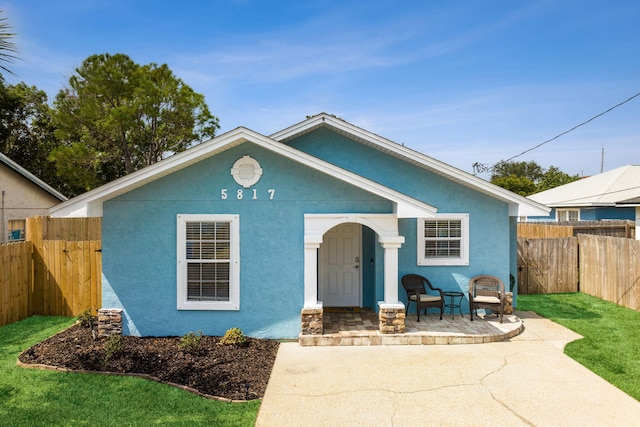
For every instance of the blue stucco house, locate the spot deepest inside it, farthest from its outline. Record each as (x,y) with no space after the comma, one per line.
(256,231)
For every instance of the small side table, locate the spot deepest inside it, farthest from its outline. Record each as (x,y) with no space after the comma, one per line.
(455,301)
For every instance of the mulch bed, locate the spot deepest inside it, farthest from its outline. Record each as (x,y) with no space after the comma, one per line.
(233,372)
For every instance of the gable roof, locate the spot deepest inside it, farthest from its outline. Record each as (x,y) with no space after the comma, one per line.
(90,203)
(31,177)
(518,205)
(615,187)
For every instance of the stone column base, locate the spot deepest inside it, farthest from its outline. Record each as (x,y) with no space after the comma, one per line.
(312,321)
(391,317)
(109,322)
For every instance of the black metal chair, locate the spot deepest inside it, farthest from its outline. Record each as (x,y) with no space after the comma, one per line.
(416,287)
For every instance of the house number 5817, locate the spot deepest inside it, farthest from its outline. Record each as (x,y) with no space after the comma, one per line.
(246,194)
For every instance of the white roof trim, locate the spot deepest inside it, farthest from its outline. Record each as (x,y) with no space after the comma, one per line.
(31,177)
(90,203)
(518,205)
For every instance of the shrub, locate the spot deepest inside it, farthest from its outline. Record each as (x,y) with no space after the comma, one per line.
(113,346)
(86,319)
(233,336)
(191,342)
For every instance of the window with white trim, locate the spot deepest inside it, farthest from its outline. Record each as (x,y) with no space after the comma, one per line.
(208,255)
(443,240)
(17,229)
(568,215)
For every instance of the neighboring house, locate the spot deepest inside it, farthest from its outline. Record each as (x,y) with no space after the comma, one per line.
(255,231)
(612,195)
(23,195)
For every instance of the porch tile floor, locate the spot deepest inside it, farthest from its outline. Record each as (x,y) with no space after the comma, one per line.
(361,328)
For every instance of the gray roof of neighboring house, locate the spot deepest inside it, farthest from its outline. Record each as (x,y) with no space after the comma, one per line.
(630,202)
(31,177)
(611,188)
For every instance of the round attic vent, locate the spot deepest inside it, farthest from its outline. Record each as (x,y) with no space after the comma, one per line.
(246,171)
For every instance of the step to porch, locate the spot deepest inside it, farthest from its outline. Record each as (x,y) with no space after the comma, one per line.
(361,328)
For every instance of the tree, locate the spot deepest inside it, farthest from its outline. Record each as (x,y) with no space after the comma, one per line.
(7,48)
(26,131)
(530,170)
(526,178)
(117,116)
(518,184)
(554,177)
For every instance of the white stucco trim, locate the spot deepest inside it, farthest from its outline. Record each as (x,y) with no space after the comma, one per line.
(385,226)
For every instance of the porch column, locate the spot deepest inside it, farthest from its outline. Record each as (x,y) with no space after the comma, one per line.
(391,312)
(311,275)
(391,247)
(637,222)
(311,316)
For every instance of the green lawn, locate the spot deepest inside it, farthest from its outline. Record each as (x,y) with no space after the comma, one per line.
(30,397)
(611,344)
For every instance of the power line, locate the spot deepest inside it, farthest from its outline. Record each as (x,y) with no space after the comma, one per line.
(573,128)
(479,167)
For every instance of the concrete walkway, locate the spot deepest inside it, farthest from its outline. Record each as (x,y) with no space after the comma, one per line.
(526,381)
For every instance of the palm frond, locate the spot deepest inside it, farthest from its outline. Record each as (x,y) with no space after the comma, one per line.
(7,47)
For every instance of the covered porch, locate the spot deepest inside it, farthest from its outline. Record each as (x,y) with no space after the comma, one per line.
(337,326)
(350,327)
(391,310)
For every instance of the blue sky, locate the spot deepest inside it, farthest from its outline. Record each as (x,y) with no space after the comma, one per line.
(461,81)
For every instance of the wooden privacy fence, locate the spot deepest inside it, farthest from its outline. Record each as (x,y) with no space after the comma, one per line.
(70,281)
(543,231)
(553,230)
(605,267)
(15,281)
(610,269)
(60,277)
(71,229)
(547,266)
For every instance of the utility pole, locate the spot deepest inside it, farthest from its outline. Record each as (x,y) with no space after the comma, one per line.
(602,161)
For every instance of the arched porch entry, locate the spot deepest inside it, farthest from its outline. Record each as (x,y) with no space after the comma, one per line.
(386,227)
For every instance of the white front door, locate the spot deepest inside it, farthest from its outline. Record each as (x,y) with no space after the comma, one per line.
(339,278)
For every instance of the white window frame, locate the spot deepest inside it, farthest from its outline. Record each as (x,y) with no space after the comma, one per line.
(463,259)
(565,213)
(234,267)
(16,225)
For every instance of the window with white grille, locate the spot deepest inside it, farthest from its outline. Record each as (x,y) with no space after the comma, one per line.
(568,214)
(208,262)
(443,240)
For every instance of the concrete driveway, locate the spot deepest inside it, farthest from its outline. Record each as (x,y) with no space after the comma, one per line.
(526,381)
